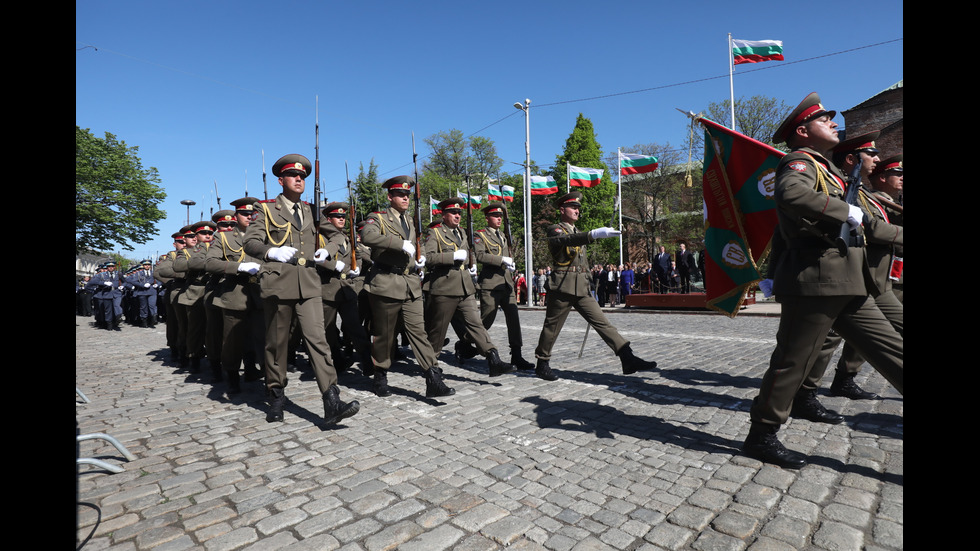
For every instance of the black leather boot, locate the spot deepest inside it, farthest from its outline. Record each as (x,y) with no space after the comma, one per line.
(277,399)
(464,351)
(234,382)
(806,406)
(632,364)
(519,362)
(496,366)
(335,409)
(543,371)
(381,383)
(845,386)
(434,386)
(762,444)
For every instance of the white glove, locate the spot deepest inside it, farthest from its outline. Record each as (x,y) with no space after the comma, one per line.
(460,254)
(473,270)
(408,247)
(507,260)
(512,267)
(354,273)
(280,254)
(250,268)
(766,287)
(108,283)
(854,215)
(320,256)
(600,233)
(146,285)
(340,267)
(420,263)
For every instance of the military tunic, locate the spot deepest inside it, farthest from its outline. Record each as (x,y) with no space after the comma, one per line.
(568,288)
(496,284)
(339,296)
(394,289)
(289,288)
(452,293)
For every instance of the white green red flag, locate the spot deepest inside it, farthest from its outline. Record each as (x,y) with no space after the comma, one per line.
(473,201)
(631,163)
(543,185)
(739,213)
(584,177)
(756,51)
(497,192)
(434,206)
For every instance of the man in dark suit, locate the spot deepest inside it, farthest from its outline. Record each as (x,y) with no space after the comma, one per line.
(661,268)
(685,267)
(284,238)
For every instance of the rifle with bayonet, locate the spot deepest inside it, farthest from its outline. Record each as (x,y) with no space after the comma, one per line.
(316,182)
(469,225)
(851,236)
(265,192)
(418,204)
(352,229)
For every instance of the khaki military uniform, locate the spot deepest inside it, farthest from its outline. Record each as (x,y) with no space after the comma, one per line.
(568,288)
(289,289)
(236,295)
(394,289)
(818,289)
(497,285)
(339,296)
(451,291)
(173,280)
(190,300)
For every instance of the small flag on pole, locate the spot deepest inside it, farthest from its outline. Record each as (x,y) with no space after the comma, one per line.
(543,185)
(584,177)
(756,51)
(434,206)
(630,163)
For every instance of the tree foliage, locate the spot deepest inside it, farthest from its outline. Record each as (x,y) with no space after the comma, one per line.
(368,194)
(116,199)
(757,117)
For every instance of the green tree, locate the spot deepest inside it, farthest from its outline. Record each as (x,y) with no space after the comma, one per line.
(369,196)
(757,117)
(116,199)
(583,150)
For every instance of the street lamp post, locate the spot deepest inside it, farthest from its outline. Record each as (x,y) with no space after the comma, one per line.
(188,202)
(528,266)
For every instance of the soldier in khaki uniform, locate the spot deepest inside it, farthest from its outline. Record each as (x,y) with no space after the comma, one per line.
(887,182)
(449,284)
(881,239)
(395,290)
(237,296)
(172,281)
(191,299)
(284,237)
(496,281)
(568,288)
(339,296)
(818,287)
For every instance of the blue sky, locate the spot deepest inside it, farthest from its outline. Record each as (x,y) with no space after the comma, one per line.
(204,87)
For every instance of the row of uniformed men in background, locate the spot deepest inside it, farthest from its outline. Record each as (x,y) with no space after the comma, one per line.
(111,296)
(246,286)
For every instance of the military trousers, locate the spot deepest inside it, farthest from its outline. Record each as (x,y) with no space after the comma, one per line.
(850,359)
(559,305)
(388,318)
(346,306)
(441,310)
(242,332)
(490,302)
(279,315)
(804,324)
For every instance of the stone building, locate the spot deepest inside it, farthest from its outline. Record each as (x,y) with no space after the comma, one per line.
(883,112)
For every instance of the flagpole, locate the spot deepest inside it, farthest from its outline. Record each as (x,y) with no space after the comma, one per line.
(568,177)
(731,79)
(619,199)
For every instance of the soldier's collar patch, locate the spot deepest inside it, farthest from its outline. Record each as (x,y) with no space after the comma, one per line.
(799,166)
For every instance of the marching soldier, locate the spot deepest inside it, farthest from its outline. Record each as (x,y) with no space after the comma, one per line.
(449,284)
(339,296)
(237,295)
(887,182)
(173,281)
(395,290)
(496,284)
(819,287)
(102,285)
(284,237)
(145,294)
(568,288)
(192,298)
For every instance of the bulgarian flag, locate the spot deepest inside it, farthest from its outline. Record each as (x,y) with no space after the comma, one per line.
(543,185)
(472,200)
(630,163)
(739,213)
(755,51)
(434,206)
(500,192)
(584,177)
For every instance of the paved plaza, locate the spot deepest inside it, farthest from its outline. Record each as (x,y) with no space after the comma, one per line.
(596,460)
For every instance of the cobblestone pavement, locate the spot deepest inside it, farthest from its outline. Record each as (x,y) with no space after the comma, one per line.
(596,460)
